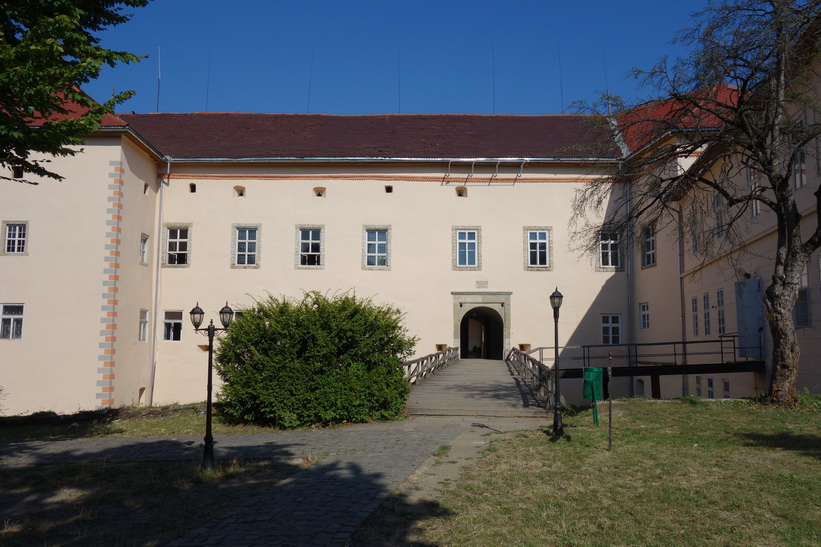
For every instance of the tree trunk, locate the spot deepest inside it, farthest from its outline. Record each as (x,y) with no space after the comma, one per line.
(786,351)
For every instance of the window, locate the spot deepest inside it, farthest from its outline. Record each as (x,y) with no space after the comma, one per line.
(611,329)
(755,205)
(376,248)
(799,170)
(710,389)
(537,245)
(726,387)
(466,248)
(694,308)
(172,326)
(11,321)
(246,240)
(708,330)
(644,316)
(17,172)
(718,209)
(14,237)
(648,247)
(698,386)
(609,252)
(801,310)
(142,336)
(143,249)
(722,323)
(310,247)
(177,245)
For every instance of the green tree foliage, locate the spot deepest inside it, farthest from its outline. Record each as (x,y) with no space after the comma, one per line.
(48,50)
(293,363)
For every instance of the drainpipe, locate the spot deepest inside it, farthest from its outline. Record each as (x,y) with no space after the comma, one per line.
(685,381)
(631,339)
(157,272)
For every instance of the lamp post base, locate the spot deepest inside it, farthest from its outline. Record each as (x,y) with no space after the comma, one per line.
(558,426)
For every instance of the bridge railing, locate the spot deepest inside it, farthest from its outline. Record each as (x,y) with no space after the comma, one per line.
(536,375)
(420,368)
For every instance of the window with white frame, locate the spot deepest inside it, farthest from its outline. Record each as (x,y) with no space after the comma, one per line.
(609,250)
(142,335)
(648,247)
(467,248)
(172,326)
(755,205)
(537,248)
(799,169)
(720,317)
(143,249)
(698,386)
(376,248)
(246,246)
(708,327)
(611,329)
(15,238)
(644,316)
(694,309)
(11,321)
(801,310)
(177,245)
(718,209)
(310,247)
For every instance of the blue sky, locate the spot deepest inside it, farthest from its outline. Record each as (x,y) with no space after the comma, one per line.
(385,56)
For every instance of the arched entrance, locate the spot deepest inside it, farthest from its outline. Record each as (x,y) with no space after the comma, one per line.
(482,334)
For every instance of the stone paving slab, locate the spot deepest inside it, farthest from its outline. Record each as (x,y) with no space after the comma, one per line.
(321,505)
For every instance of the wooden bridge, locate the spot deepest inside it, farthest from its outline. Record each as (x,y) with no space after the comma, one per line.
(474,387)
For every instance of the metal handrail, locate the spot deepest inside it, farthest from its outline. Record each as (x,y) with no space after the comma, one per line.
(420,368)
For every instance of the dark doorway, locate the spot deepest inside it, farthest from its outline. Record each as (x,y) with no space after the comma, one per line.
(482,334)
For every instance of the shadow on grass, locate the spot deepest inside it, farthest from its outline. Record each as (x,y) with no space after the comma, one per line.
(809,445)
(397,521)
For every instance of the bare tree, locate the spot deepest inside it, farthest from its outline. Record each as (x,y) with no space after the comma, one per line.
(743,98)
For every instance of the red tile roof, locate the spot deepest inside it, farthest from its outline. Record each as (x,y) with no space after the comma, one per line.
(240,135)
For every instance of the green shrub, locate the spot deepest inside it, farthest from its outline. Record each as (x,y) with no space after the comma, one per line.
(292,363)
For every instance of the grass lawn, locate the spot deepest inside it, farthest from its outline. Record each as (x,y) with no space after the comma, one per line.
(685,472)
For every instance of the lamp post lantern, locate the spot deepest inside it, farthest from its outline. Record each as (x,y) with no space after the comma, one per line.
(226,317)
(556,303)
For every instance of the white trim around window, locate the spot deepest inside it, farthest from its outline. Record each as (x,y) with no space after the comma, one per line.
(144,249)
(376,247)
(11,321)
(538,248)
(172,325)
(310,247)
(467,248)
(177,245)
(245,245)
(609,251)
(15,238)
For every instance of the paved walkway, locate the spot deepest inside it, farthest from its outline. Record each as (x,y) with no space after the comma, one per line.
(322,505)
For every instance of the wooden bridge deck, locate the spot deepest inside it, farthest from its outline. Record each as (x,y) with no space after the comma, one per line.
(474,387)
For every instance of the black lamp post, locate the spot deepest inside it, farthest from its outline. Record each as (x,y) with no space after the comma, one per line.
(226,316)
(556,303)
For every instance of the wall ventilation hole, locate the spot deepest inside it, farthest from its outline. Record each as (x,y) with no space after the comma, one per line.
(461,192)
(192,188)
(16,172)
(389,189)
(319,191)
(239,191)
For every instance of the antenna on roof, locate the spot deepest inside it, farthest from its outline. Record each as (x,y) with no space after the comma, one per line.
(159,77)
(493,61)
(398,81)
(208,80)
(310,80)
(606,85)
(561,82)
